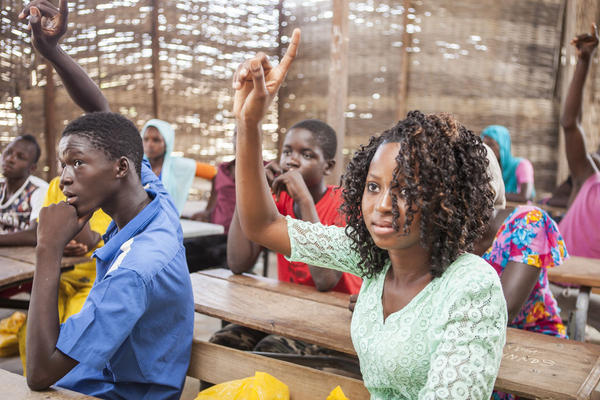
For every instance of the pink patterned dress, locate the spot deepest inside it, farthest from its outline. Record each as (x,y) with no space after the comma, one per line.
(529,236)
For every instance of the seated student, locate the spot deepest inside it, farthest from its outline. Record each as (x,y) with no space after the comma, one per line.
(21,194)
(430,319)
(221,203)
(298,181)
(517,172)
(132,338)
(580,224)
(176,173)
(75,285)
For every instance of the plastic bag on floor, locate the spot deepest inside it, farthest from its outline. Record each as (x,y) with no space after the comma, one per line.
(8,334)
(261,386)
(337,394)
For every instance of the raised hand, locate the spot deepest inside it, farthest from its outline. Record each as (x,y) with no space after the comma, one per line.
(256,83)
(586,43)
(47,22)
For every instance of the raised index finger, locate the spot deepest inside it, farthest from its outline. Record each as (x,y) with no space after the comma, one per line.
(291,51)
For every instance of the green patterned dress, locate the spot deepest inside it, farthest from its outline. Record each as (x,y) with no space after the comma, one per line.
(445,344)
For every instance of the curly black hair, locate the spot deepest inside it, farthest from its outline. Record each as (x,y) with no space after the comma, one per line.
(111,133)
(441,172)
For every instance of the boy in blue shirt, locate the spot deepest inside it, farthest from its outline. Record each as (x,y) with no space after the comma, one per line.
(132,339)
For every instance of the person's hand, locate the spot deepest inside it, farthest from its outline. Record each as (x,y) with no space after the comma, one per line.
(292,183)
(47,23)
(586,43)
(352,304)
(272,171)
(203,216)
(256,83)
(75,249)
(58,224)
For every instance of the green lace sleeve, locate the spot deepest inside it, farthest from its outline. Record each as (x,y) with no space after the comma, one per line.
(323,246)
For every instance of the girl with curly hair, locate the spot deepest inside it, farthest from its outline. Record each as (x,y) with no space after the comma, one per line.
(430,320)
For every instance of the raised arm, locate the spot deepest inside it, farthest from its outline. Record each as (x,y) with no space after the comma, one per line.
(581,165)
(256,83)
(48,24)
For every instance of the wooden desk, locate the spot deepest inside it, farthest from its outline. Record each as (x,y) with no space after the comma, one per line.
(533,365)
(17,265)
(584,272)
(192,229)
(14,387)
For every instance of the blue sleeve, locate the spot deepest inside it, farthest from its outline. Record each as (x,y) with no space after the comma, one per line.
(107,318)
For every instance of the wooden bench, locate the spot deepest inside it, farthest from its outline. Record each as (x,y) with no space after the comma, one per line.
(533,365)
(14,387)
(215,364)
(584,272)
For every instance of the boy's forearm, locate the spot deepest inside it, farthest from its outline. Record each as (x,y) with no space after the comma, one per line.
(43,323)
(26,237)
(82,89)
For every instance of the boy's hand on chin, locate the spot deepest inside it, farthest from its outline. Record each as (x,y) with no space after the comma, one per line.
(293,183)
(58,224)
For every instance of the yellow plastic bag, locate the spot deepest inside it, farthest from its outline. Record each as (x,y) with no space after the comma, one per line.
(8,334)
(12,323)
(337,394)
(261,386)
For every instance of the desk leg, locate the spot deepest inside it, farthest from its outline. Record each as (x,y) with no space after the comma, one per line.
(578,318)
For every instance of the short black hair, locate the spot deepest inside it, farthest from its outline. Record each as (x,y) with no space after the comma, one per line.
(323,134)
(112,133)
(441,172)
(31,139)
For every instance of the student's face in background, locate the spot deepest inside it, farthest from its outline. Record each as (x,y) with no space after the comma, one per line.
(377,203)
(301,152)
(18,159)
(154,144)
(493,145)
(88,175)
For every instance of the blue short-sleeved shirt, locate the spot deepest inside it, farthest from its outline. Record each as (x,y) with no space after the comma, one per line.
(133,336)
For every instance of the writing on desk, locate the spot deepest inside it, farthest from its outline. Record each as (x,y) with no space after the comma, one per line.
(525,354)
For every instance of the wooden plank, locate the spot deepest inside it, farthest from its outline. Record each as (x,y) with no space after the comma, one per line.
(292,289)
(13,271)
(577,271)
(15,387)
(26,254)
(273,312)
(541,366)
(533,365)
(214,363)
(155,59)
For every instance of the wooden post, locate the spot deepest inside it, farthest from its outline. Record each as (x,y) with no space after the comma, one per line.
(50,121)
(338,81)
(155,60)
(403,76)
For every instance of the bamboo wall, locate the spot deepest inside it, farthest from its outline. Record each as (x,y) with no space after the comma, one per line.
(486,61)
